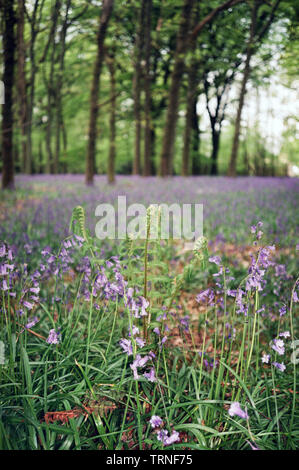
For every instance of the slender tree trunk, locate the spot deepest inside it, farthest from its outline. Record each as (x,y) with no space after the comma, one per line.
(246,74)
(40,156)
(191,98)
(184,38)
(245,158)
(8,79)
(215,151)
(34,30)
(195,160)
(111,157)
(51,91)
(139,50)
(189,121)
(176,79)
(147,169)
(59,85)
(64,140)
(22,93)
(94,108)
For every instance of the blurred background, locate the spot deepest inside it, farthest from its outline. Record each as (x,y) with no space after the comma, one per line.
(149,87)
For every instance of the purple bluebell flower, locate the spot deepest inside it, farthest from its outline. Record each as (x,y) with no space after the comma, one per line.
(285,334)
(259,235)
(162,435)
(2,250)
(207,294)
(150,376)
(144,305)
(279,366)
(266,358)
(252,446)
(138,362)
(282,311)
(156,421)
(135,330)
(126,345)
(54,337)
(166,440)
(162,317)
(236,410)
(35,290)
(174,437)
(140,342)
(31,322)
(28,305)
(185,321)
(278,346)
(231,293)
(215,259)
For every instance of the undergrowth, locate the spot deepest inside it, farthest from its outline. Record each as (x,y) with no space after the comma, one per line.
(108,354)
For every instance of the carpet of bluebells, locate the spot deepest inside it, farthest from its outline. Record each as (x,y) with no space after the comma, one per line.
(149,344)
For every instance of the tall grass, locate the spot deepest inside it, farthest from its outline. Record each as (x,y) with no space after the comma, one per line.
(81,391)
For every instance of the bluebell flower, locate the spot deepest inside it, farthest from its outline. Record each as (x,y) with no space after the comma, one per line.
(156,421)
(236,410)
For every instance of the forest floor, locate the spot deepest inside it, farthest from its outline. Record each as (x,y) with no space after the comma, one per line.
(216,313)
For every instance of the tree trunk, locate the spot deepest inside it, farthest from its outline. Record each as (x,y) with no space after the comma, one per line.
(8,78)
(246,74)
(33,35)
(147,169)
(59,85)
(92,133)
(51,91)
(195,160)
(22,94)
(184,39)
(40,156)
(191,98)
(139,49)
(176,79)
(215,150)
(111,157)
(189,121)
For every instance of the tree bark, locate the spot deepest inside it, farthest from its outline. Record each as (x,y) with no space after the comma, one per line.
(92,133)
(191,102)
(183,42)
(176,79)
(195,141)
(246,74)
(215,150)
(59,85)
(188,131)
(22,93)
(112,120)
(34,30)
(147,169)
(8,78)
(139,50)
